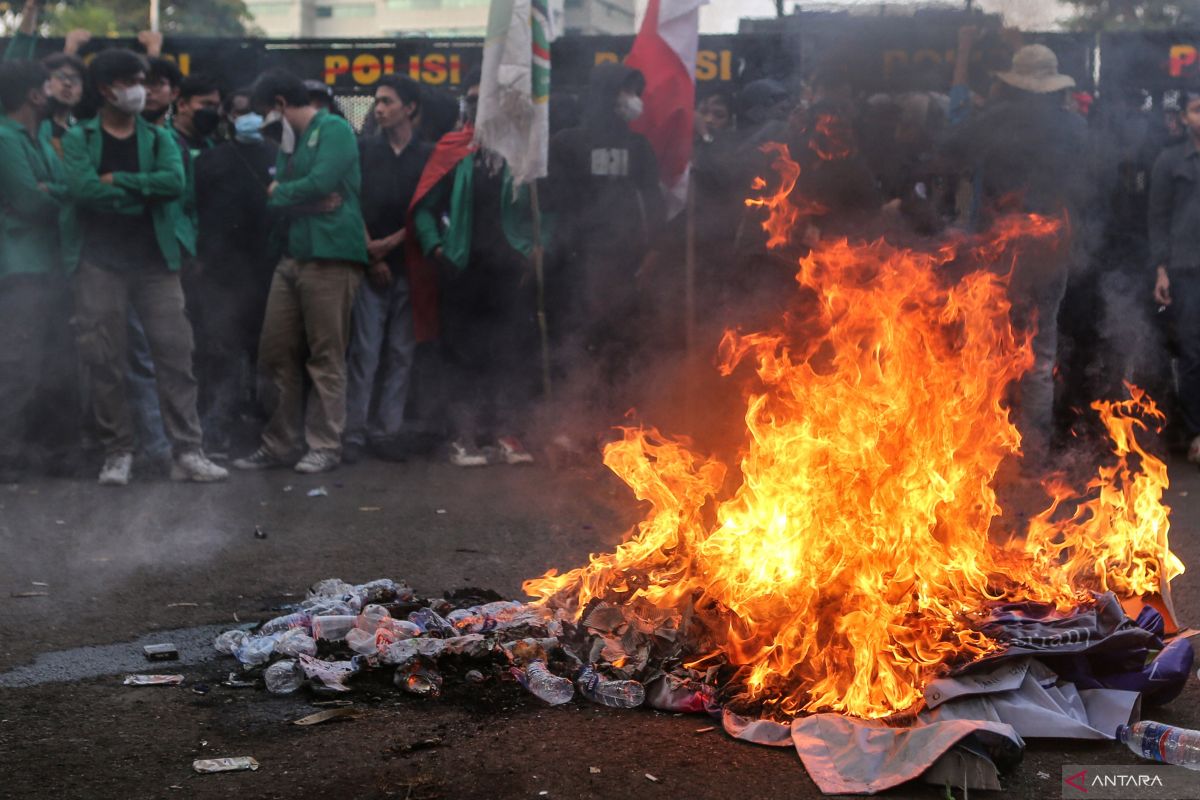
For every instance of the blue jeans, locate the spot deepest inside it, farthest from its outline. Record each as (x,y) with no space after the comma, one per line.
(379,366)
(143,393)
(1185,308)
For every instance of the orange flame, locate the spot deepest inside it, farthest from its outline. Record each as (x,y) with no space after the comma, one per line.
(853,560)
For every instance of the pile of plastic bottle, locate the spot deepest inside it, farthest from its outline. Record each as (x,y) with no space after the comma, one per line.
(383,625)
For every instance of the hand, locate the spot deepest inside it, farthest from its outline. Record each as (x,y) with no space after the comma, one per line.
(152,41)
(271,189)
(107,178)
(379,275)
(1162,288)
(329,203)
(75,40)
(968,35)
(378,249)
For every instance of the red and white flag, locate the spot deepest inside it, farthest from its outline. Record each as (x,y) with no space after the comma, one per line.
(665,53)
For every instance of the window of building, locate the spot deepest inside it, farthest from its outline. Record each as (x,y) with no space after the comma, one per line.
(345,11)
(268,9)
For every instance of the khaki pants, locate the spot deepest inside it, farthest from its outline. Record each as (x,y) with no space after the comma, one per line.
(307,330)
(102,300)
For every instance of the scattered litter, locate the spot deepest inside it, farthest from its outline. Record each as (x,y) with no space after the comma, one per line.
(370,508)
(651,778)
(320,491)
(466,550)
(441,511)
(287,488)
(705,730)
(200,688)
(153,680)
(29,594)
(234,681)
(38,583)
(420,744)
(160,652)
(325,716)
(60,522)
(239,764)
(259,533)
(543,793)
(1043,775)
(334,703)
(594,770)
(183,605)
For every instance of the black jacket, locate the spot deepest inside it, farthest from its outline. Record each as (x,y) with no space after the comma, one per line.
(603,177)
(231,207)
(1175,208)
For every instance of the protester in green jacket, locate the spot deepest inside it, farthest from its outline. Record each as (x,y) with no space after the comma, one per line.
(125,178)
(31,199)
(307,326)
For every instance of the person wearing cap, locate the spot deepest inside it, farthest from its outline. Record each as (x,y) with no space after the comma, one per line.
(1029,155)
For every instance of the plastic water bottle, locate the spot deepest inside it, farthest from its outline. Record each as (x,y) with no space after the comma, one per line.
(333,628)
(229,641)
(255,650)
(544,684)
(283,677)
(372,617)
(1165,743)
(300,619)
(361,642)
(616,694)
(294,641)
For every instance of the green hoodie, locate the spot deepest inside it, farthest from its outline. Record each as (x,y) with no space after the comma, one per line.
(325,162)
(32,195)
(159,184)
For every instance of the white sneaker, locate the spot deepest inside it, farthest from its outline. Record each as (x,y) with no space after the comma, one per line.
(513,451)
(465,454)
(117,470)
(194,466)
(1194,451)
(317,461)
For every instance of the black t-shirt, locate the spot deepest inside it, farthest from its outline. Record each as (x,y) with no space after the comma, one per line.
(120,242)
(388,184)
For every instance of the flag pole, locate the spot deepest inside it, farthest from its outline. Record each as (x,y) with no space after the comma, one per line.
(689,271)
(539,270)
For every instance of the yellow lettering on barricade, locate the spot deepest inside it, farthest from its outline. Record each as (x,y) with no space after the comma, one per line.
(367,69)
(334,67)
(434,71)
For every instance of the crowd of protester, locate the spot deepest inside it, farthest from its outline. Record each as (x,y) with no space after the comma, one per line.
(187,269)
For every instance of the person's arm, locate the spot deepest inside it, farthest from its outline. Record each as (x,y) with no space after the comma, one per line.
(152,41)
(165,181)
(425,216)
(75,40)
(24,41)
(83,182)
(24,196)
(336,156)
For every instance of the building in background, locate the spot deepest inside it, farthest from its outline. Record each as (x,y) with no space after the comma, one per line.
(354,19)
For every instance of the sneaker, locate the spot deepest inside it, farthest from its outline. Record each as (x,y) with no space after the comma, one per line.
(1194,451)
(196,467)
(259,459)
(513,451)
(465,454)
(316,461)
(117,469)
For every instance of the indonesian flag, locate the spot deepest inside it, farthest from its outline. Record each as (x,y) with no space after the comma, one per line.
(514,96)
(665,53)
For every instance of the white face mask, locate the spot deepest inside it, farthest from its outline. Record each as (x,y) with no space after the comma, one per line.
(130,99)
(287,141)
(629,107)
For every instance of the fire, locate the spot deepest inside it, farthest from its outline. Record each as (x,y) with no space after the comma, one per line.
(854,558)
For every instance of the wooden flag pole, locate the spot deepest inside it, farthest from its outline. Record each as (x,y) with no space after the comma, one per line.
(539,270)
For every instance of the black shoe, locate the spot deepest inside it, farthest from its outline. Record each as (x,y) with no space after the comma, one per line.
(389,450)
(353,452)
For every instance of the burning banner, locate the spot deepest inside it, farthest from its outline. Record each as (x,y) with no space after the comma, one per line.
(860,548)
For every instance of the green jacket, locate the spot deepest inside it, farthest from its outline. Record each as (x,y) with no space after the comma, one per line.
(325,161)
(159,185)
(29,241)
(21,47)
(455,195)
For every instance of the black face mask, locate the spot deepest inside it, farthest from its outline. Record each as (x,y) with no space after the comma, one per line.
(154,116)
(205,121)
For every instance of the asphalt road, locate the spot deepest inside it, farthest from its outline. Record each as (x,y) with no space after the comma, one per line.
(122,567)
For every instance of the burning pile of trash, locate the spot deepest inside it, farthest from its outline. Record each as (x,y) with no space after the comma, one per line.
(341,631)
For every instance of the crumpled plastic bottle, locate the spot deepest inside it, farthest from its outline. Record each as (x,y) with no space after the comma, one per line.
(333,628)
(405,651)
(255,650)
(491,617)
(295,642)
(300,619)
(430,622)
(361,641)
(615,694)
(228,641)
(418,679)
(372,617)
(283,677)
(544,684)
